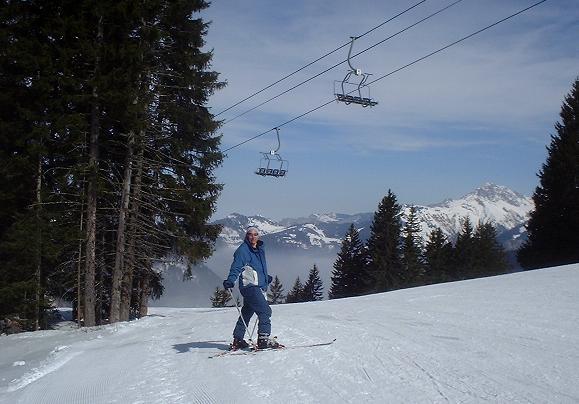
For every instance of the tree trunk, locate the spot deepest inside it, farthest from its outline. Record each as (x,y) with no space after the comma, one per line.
(90,263)
(38,272)
(144,295)
(115,313)
(101,269)
(79,306)
(127,284)
(91,204)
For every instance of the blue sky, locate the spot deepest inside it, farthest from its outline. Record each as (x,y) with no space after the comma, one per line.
(481,111)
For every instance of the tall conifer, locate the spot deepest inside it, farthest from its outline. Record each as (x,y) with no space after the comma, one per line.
(438,253)
(464,252)
(296,293)
(275,294)
(490,257)
(553,227)
(384,245)
(412,264)
(349,277)
(313,288)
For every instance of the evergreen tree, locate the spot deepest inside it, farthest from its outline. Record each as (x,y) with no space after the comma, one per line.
(438,258)
(275,294)
(296,293)
(350,269)
(220,298)
(384,245)
(490,257)
(553,227)
(464,252)
(313,288)
(412,265)
(31,115)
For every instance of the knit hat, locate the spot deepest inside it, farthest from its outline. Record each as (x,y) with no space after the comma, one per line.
(252,229)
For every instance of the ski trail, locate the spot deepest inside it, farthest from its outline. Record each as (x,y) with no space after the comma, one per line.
(434,381)
(367,375)
(481,345)
(51,365)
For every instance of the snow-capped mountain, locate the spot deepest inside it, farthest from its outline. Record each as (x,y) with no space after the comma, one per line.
(294,245)
(506,209)
(234,226)
(303,234)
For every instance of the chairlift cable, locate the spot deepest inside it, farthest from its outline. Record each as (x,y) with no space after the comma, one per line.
(393,72)
(456,42)
(318,59)
(343,61)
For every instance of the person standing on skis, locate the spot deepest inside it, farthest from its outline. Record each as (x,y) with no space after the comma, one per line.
(250,268)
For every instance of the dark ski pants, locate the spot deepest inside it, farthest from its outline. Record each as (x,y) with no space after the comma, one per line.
(253,302)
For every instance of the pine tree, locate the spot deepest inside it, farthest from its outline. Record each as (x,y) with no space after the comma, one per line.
(464,252)
(296,293)
(384,245)
(553,227)
(31,112)
(412,265)
(438,258)
(313,288)
(220,298)
(490,257)
(349,276)
(275,294)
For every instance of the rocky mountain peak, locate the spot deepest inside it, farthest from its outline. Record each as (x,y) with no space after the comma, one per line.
(508,210)
(493,192)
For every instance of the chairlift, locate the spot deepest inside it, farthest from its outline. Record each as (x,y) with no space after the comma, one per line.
(354,92)
(271,163)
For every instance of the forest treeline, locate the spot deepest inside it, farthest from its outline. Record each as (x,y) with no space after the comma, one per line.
(107,153)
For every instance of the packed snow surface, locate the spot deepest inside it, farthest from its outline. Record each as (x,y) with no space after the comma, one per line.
(506,339)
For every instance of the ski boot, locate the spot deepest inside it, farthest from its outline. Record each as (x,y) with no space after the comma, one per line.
(238,343)
(264,342)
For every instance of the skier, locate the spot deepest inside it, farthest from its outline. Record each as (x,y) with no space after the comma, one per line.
(250,267)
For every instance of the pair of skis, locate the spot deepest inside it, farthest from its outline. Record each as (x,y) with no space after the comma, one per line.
(278,348)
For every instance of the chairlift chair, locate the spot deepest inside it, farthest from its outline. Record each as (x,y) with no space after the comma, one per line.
(271,163)
(354,92)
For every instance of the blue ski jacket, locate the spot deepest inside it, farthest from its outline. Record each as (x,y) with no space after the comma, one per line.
(249,266)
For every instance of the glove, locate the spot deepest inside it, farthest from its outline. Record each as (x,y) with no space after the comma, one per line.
(269,279)
(227,284)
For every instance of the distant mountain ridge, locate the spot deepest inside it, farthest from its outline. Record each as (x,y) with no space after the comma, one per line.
(505,208)
(294,245)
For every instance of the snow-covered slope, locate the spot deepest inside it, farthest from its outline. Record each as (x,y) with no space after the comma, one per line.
(507,339)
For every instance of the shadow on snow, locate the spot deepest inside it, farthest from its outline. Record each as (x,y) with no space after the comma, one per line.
(184,348)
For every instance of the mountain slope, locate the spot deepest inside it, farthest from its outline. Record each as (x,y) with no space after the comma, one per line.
(505,208)
(512,338)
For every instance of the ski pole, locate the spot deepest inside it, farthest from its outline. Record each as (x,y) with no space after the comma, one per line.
(253,329)
(241,316)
